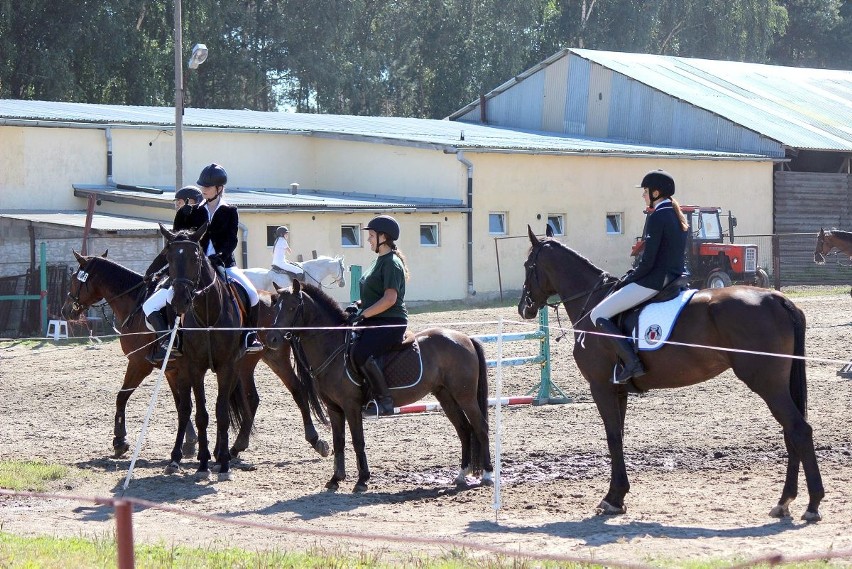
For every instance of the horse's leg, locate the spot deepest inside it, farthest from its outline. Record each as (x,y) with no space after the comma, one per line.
(460,423)
(184,412)
(791,481)
(227,380)
(338,439)
(137,369)
(279,362)
(202,420)
(356,431)
(251,401)
(611,402)
(190,439)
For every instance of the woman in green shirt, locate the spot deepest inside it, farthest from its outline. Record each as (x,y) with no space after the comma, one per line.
(382,305)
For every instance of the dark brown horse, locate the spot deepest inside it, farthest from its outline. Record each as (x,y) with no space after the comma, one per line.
(454,371)
(739,319)
(828,241)
(99,279)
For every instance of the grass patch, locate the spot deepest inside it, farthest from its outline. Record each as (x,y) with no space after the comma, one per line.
(28,475)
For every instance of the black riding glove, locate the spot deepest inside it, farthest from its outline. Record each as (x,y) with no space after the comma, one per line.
(352,308)
(353,319)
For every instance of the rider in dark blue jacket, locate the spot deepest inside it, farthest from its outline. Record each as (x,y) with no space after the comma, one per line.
(663,261)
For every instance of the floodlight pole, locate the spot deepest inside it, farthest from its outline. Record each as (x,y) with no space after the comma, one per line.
(178,97)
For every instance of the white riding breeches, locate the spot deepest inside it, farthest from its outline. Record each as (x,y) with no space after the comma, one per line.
(621,300)
(163,296)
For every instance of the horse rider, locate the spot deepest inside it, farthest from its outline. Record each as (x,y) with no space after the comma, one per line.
(187,195)
(279,255)
(663,261)
(383,315)
(218,243)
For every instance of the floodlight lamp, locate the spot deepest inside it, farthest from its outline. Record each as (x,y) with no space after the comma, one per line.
(199,56)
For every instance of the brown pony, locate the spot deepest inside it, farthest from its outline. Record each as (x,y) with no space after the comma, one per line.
(98,279)
(827,241)
(741,318)
(454,371)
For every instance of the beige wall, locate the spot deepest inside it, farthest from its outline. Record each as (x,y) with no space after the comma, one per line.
(585,189)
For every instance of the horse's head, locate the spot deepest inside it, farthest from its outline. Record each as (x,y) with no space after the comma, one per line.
(186,262)
(83,291)
(823,246)
(536,289)
(288,312)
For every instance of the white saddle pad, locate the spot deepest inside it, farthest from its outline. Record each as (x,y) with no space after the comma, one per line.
(657,320)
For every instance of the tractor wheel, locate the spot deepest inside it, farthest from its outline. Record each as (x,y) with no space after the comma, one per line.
(761,279)
(718,279)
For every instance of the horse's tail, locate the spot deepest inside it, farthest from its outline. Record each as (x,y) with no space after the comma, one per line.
(798,374)
(482,400)
(238,406)
(306,379)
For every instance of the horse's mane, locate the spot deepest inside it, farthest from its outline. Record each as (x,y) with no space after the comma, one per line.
(324,300)
(842,235)
(116,273)
(559,245)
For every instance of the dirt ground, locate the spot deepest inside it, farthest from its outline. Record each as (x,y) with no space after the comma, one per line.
(706,463)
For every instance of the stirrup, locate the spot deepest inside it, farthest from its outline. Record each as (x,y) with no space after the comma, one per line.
(251,343)
(628,372)
(373,408)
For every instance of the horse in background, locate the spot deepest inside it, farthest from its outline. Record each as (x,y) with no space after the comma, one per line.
(828,241)
(746,321)
(316,271)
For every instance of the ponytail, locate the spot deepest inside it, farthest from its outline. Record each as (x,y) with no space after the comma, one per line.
(399,254)
(682,218)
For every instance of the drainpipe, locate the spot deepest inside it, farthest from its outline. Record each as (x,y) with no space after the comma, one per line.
(460,157)
(244,244)
(110,181)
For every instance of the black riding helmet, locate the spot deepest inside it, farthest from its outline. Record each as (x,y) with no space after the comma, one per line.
(384,224)
(659,180)
(282,231)
(212,175)
(189,193)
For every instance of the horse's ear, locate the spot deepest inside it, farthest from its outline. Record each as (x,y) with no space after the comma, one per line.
(105,253)
(276,287)
(199,233)
(548,231)
(533,239)
(821,232)
(80,258)
(297,286)
(166,233)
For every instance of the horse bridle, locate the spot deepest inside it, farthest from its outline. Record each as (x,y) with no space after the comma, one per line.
(295,339)
(83,278)
(337,279)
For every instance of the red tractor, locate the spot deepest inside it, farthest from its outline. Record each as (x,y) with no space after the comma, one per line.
(711,261)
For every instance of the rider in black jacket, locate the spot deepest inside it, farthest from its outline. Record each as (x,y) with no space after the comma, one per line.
(663,261)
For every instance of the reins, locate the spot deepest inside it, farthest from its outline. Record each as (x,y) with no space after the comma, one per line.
(295,340)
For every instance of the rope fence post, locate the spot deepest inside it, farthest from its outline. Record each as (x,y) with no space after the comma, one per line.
(124,534)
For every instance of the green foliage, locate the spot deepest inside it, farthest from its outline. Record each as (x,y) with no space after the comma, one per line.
(423,58)
(28,475)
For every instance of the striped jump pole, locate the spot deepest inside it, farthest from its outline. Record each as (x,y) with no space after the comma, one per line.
(435,406)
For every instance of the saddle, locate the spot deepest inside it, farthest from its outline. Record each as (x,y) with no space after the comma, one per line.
(650,323)
(293,276)
(402,364)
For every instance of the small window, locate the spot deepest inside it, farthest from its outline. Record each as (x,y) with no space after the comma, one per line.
(350,235)
(613,224)
(497,223)
(270,235)
(556,222)
(429,234)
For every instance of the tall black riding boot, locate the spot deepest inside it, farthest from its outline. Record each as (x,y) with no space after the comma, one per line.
(376,377)
(158,321)
(250,340)
(632,365)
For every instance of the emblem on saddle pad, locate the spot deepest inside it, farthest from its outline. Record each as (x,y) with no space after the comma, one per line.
(657,320)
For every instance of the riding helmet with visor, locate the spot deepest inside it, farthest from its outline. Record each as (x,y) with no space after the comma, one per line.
(659,180)
(187,193)
(282,231)
(212,175)
(384,224)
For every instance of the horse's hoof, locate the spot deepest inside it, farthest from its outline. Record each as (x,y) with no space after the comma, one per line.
(359,487)
(780,511)
(332,486)
(243,465)
(226,476)
(812,516)
(202,475)
(172,468)
(322,448)
(120,450)
(607,509)
(487,479)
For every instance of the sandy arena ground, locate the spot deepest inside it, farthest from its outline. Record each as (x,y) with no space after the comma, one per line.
(706,463)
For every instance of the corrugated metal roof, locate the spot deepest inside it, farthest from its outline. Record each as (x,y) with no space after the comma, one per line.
(277,199)
(438,134)
(799,107)
(100,221)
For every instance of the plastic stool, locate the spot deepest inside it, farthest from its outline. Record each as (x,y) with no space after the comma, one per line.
(57,329)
